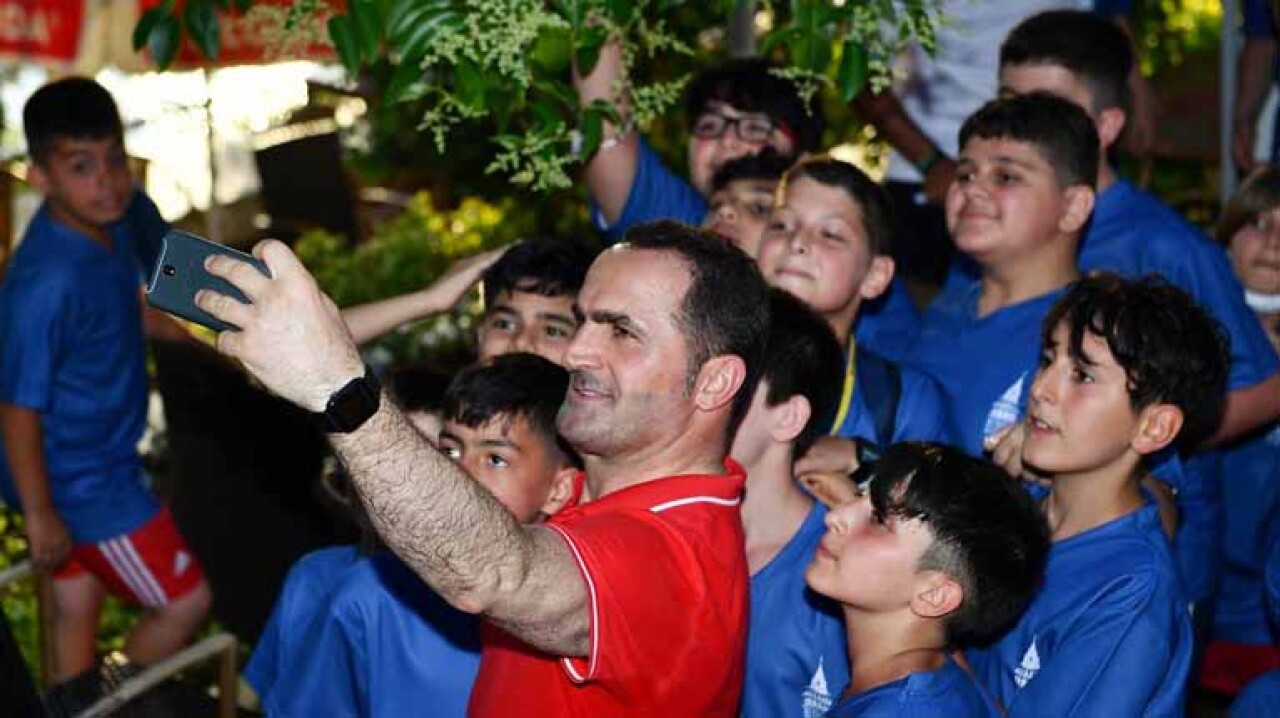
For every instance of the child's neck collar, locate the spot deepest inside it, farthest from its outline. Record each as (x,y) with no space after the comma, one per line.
(1008,286)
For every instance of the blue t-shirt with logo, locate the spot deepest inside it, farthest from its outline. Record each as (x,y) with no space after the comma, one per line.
(797,657)
(983,366)
(72,349)
(1108,634)
(304,594)
(947,692)
(384,645)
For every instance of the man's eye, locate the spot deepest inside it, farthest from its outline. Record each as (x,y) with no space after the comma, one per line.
(497,461)
(452,452)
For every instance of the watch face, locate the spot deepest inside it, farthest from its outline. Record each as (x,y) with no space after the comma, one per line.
(352,405)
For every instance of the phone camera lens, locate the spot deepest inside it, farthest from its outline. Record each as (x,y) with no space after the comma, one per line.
(168,270)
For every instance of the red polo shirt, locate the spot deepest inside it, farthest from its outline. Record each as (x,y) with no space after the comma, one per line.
(666,580)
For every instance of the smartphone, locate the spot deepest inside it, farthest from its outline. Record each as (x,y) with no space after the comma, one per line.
(179,273)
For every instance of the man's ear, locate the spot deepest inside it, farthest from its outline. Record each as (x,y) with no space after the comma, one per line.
(936,595)
(1079,206)
(879,275)
(561,491)
(718,381)
(1110,124)
(1158,426)
(789,418)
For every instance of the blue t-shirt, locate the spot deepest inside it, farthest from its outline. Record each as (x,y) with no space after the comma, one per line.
(919,416)
(306,589)
(885,324)
(1251,497)
(1108,634)
(948,692)
(1259,699)
(386,645)
(797,658)
(1271,577)
(983,366)
(72,349)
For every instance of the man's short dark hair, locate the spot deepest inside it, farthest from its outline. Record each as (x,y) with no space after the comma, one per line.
(764,166)
(873,202)
(547,267)
(74,108)
(1088,45)
(1059,129)
(726,308)
(1171,350)
(748,85)
(988,533)
(508,387)
(802,358)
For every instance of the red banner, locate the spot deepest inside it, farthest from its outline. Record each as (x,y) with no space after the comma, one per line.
(42,30)
(257,37)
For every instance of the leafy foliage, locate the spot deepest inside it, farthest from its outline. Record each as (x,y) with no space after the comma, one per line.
(507,63)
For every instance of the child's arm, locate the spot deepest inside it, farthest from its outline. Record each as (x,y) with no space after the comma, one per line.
(367,321)
(1247,409)
(885,111)
(24,448)
(612,170)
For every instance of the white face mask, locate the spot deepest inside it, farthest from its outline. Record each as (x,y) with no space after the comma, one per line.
(1262,303)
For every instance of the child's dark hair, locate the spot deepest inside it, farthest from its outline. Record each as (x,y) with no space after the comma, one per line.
(417,387)
(873,202)
(1171,350)
(765,166)
(507,387)
(1059,129)
(1258,194)
(75,108)
(988,533)
(1090,46)
(548,267)
(802,358)
(748,85)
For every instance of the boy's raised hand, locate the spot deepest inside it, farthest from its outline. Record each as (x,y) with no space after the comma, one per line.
(454,284)
(1005,448)
(292,337)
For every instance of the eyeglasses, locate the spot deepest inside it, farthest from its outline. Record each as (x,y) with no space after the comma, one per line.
(749,128)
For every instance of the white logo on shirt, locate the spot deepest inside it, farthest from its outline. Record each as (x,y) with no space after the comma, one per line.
(1030,666)
(181,561)
(1006,410)
(817,699)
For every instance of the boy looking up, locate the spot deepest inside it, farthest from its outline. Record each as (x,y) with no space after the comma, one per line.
(1126,367)
(1022,196)
(73,399)
(795,639)
(940,551)
(385,644)
(827,243)
(1086,59)
(529,290)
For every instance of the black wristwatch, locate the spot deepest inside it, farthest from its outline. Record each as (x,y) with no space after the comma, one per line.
(351,406)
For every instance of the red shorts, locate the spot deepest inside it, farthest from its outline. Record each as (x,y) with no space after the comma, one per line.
(1228,667)
(150,566)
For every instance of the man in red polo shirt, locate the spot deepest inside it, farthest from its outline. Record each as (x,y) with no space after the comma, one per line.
(633,603)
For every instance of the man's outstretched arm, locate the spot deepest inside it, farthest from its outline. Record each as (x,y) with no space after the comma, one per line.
(445,526)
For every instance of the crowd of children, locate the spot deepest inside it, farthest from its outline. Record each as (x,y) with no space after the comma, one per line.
(1055,491)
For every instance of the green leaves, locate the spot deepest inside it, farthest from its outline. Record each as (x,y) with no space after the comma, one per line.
(851,76)
(201,20)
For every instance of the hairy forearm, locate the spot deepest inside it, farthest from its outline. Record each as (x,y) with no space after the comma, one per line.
(24,450)
(445,526)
